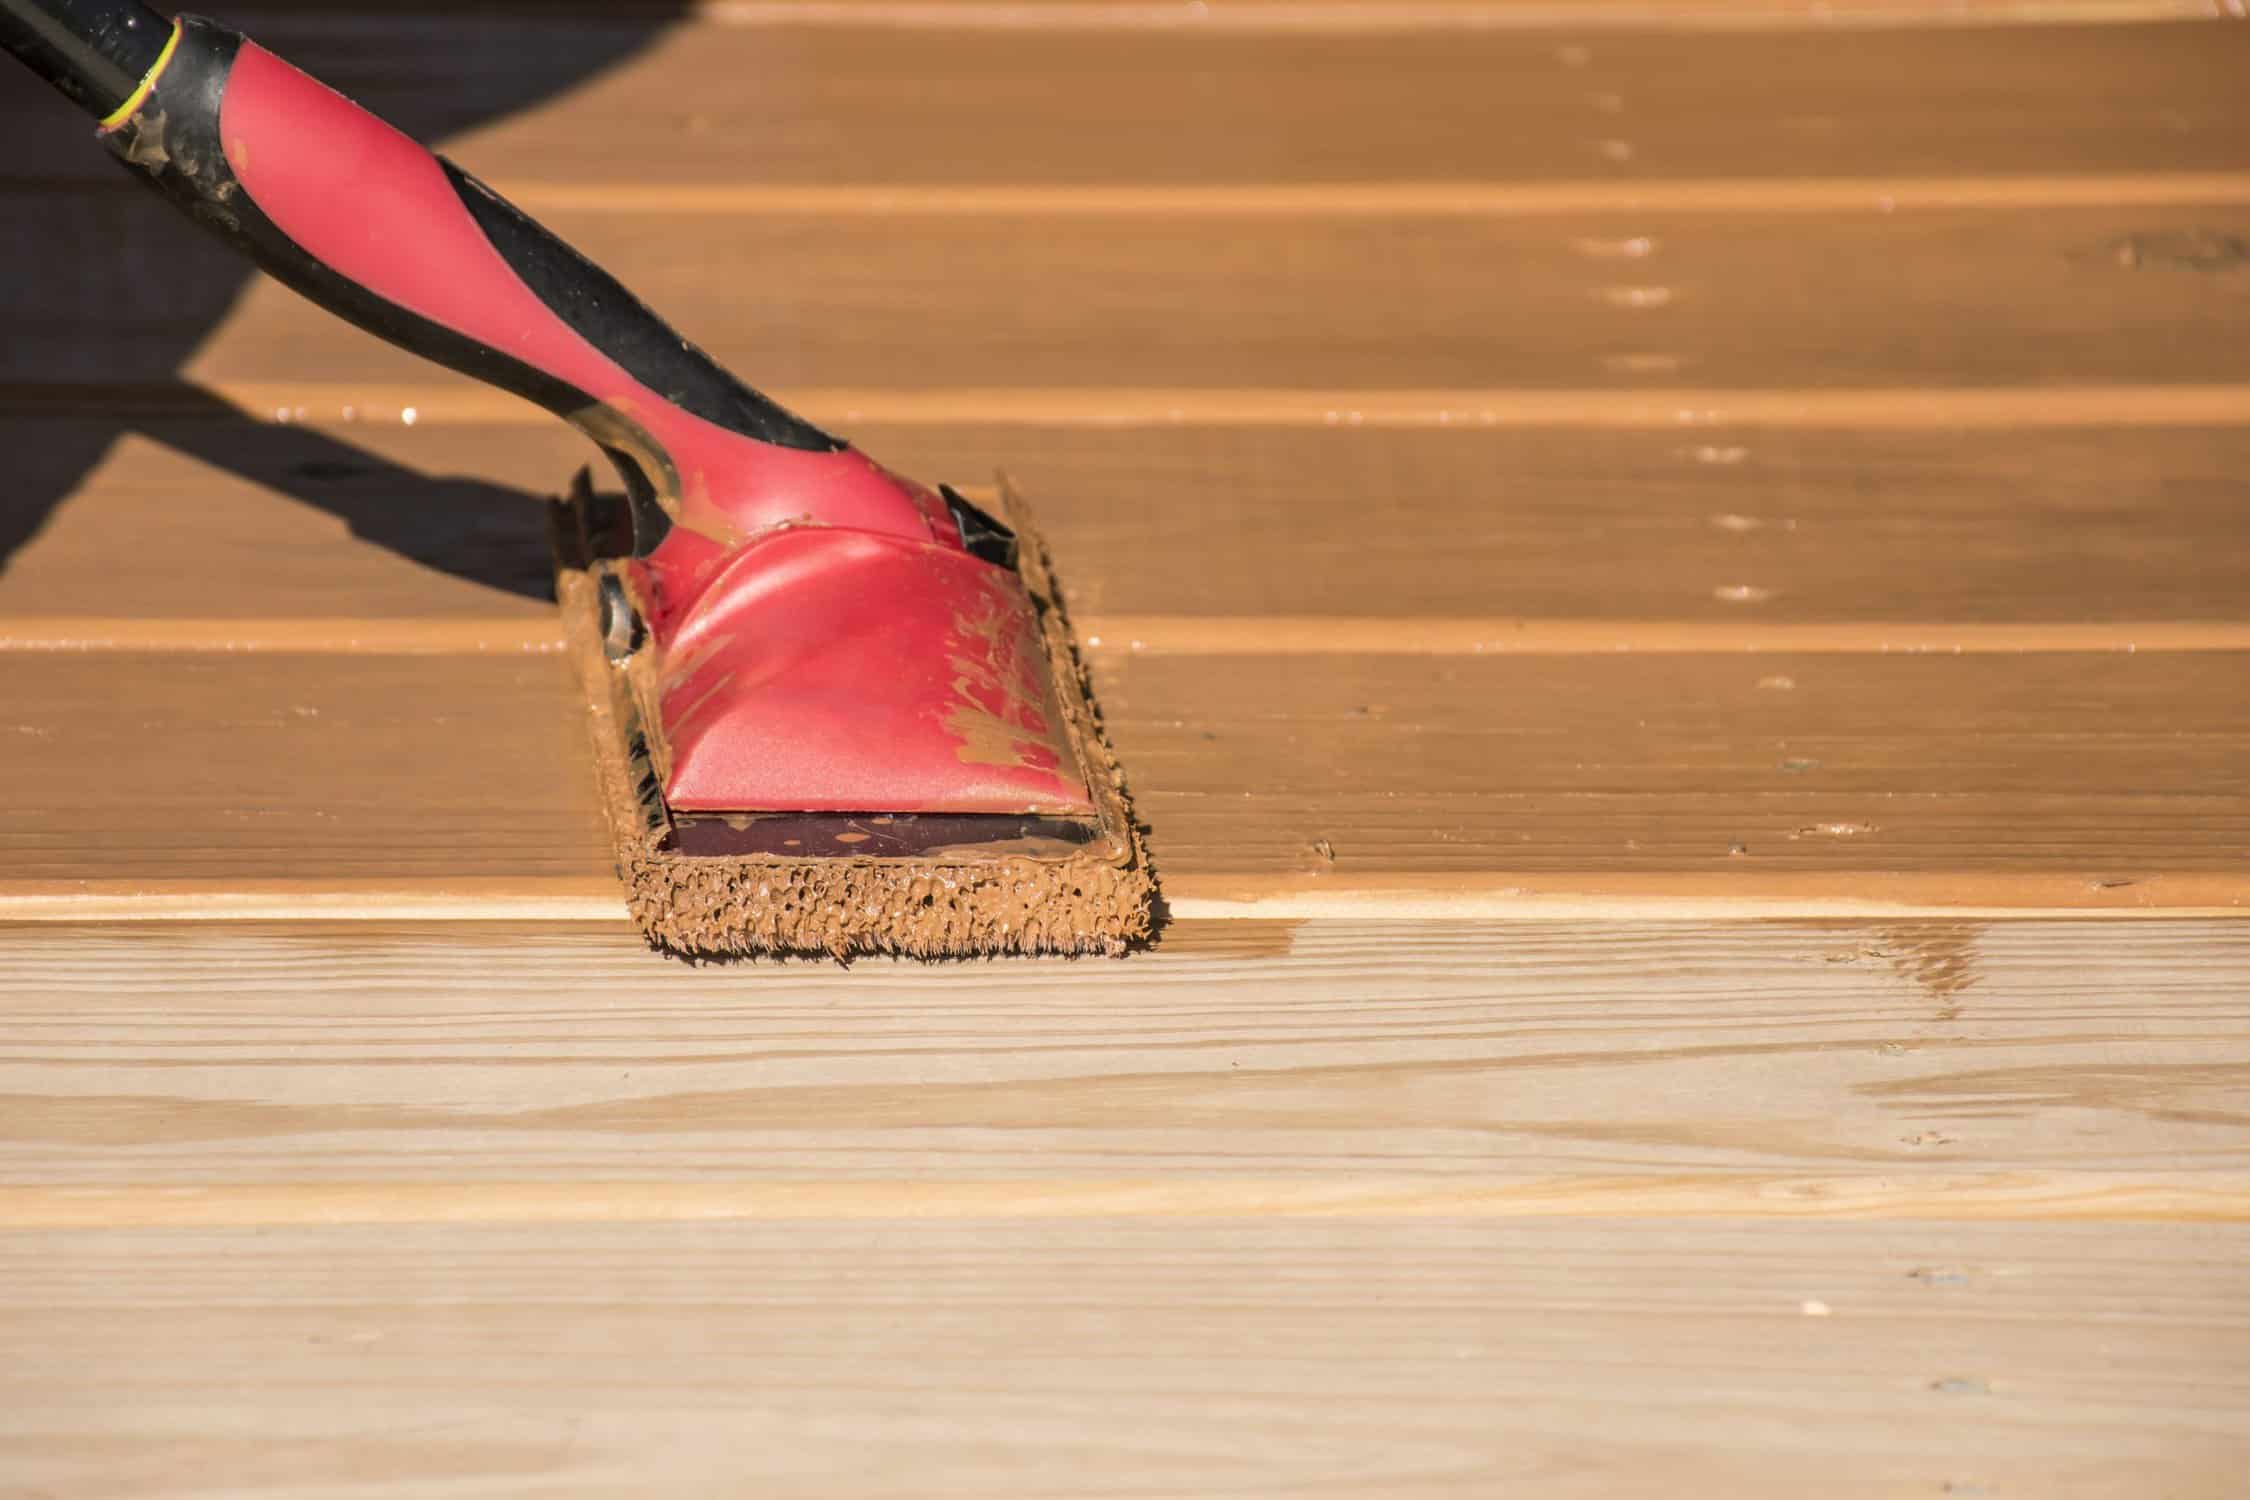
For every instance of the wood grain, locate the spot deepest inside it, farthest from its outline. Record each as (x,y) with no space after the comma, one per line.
(1772,197)
(1496,445)
(617,96)
(2044,780)
(226,516)
(307,1072)
(377,524)
(1012,1360)
(887,102)
(1603,408)
(1952,298)
(307,770)
(713,103)
(1484,769)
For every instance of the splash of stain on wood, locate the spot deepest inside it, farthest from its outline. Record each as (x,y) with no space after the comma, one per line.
(1231,939)
(1939,957)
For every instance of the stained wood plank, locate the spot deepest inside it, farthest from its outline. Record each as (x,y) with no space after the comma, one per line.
(1245,1358)
(228,520)
(227,516)
(953,107)
(217,1073)
(303,770)
(620,97)
(2041,779)
(1289,15)
(2104,768)
(1941,297)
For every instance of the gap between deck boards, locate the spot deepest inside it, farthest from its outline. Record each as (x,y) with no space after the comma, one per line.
(1351,17)
(1358,17)
(1191,635)
(452,400)
(1389,199)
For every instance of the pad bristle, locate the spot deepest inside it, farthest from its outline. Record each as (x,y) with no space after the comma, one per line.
(734,906)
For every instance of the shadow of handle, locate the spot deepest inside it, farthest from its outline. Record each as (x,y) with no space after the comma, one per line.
(488,533)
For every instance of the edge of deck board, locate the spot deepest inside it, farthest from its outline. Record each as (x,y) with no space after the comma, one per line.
(1848,895)
(343,403)
(1986,1197)
(1188,635)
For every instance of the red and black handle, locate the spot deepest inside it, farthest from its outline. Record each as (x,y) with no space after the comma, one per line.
(362,220)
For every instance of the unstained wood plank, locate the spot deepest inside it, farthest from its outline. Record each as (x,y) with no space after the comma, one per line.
(1245,1358)
(304,1072)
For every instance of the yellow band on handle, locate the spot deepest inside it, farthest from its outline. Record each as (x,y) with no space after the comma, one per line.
(139,96)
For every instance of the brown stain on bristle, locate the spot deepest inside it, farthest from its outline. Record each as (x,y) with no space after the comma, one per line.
(991,666)
(985,738)
(699,513)
(685,499)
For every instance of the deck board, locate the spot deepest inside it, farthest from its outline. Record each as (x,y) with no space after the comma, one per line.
(1543,484)
(883,103)
(233,521)
(1950,298)
(378,1071)
(1243,1357)
(2057,779)
(2096,768)
(302,770)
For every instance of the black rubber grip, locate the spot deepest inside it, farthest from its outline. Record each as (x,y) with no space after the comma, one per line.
(95,51)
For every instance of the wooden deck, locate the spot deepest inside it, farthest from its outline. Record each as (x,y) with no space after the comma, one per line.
(1672,582)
